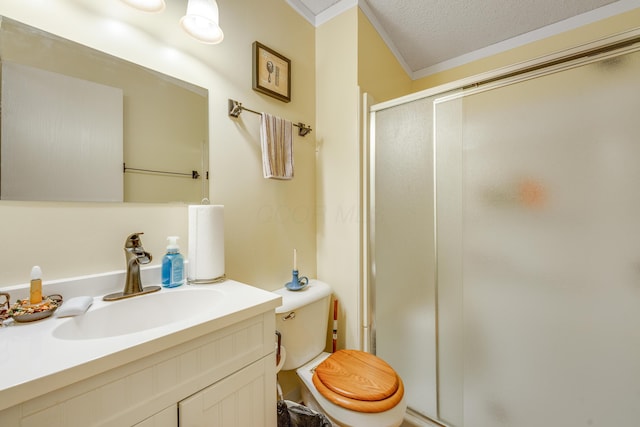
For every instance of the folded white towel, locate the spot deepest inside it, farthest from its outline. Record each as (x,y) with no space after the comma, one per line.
(276,138)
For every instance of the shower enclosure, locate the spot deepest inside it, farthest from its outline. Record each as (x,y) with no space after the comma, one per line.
(505,244)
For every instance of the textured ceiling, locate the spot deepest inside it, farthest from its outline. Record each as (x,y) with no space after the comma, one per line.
(426,33)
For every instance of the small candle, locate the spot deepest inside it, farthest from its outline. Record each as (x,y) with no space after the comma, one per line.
(295,259)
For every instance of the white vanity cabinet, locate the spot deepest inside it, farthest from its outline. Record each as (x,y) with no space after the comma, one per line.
(237,401)
(242,399)
(164,418)
(225,377)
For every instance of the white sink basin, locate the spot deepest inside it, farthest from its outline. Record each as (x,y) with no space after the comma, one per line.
(139,313)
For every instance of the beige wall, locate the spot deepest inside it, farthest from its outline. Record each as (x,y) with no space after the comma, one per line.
(351,59)
(264,219)
(379,72)
(338,176)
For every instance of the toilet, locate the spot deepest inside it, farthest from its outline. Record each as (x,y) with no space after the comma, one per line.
(351,387)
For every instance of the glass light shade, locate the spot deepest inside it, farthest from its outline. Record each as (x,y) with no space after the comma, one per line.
(146,5)
(201,21)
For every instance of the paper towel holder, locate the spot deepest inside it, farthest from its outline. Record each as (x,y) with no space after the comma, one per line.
(206,245)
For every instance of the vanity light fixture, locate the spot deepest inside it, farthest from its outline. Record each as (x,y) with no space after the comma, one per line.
(147,5)
(201,21)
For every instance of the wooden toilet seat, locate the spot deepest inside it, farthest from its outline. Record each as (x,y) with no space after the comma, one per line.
(358,381)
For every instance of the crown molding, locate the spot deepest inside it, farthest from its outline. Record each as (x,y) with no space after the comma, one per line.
(324,16)
(303,11)
(335,10)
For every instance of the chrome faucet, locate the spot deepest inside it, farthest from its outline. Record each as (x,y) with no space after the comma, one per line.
(135,255)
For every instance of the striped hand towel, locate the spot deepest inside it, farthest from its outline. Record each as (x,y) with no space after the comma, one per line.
(276,138)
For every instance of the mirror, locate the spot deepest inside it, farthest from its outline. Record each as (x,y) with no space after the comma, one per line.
(152,127)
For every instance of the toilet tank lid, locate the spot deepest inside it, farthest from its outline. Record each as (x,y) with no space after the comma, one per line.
(293,300)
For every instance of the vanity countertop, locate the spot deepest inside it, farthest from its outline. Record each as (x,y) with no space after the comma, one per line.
(35,362)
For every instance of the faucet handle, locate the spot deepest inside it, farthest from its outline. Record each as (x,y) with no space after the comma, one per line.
(133,245)
(133,241)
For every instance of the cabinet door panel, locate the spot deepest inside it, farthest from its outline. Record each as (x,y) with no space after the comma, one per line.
(166,418)
(246,398)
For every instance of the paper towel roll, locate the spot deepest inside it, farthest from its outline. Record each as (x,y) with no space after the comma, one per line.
(206,243)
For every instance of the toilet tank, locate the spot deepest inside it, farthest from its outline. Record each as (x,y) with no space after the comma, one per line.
(302,321)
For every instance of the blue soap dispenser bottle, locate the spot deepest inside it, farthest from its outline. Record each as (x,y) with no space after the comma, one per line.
(172,265)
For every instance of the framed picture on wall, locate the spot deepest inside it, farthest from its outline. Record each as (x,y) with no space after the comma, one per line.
(271,72)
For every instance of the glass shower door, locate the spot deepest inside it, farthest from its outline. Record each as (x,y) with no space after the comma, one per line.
(403,249)
(538,249)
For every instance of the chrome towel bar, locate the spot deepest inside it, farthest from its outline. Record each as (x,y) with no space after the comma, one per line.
(235,108)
